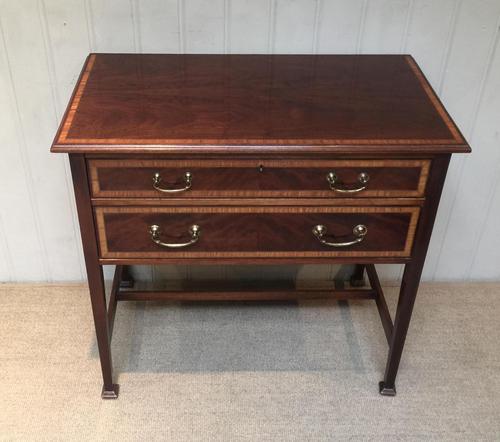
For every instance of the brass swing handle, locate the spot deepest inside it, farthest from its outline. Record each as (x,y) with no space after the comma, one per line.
(188,179)
(359,233)
(194,232)
(340,187)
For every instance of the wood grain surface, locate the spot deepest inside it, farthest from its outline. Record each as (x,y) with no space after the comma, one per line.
(172,103)
(257,178)
(254,232)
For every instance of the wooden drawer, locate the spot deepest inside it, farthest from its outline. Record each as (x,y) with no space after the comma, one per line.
(254,232)
(253,178)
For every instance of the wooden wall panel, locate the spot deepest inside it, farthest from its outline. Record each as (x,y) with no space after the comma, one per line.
(204,25)
(249,26)
(6,270)
(462,89)
(157,26)
(294,25)
(44,42)
(66,41)
(112,25)
(23,255)
(339,26)
(431,24)
(31,83)
(485,262)
(476,188)
(384,26)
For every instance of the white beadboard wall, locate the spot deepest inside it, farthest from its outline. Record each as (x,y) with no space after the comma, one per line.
(43,44)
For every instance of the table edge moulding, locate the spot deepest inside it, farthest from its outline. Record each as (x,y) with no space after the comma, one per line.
(256,159)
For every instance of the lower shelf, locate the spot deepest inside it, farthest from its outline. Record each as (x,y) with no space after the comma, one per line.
(122,290)
(269,291)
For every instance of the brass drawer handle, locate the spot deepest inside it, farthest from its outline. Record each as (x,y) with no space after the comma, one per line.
(188,179)
(340,187)
(359,233)
(194,232)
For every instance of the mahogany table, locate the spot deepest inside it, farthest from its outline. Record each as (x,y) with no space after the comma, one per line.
(256,159)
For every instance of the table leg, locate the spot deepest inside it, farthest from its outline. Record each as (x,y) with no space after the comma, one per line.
(358,276)
(100,312)
(408,293)
(413,272)
(94,272)
(127,280)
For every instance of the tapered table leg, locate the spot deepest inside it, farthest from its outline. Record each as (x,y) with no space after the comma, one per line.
(408,293)
(127,280)
(358,276)
(413,272)
(99,310)
(94,272)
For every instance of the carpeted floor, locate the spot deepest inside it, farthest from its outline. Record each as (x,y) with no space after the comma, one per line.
(253,372)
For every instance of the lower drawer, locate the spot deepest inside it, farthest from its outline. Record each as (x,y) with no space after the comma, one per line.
(256,232)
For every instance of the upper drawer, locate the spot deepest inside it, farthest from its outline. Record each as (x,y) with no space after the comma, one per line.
(253,178)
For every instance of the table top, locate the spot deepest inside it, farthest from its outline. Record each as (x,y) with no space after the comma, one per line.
(141,103)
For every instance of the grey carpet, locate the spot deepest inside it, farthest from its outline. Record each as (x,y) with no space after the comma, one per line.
(252,372)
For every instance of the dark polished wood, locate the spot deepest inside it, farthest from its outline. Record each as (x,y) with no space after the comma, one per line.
(249,202)
(383,310)
(94,272)
(127,280)
(412,274)
(238,260)
(259,134)
(172,103)
(223,294)
(258,178)
(358,276)
(118,281)
(125,233)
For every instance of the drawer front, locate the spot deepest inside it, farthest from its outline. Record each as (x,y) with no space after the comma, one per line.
(256,232)
(253,178)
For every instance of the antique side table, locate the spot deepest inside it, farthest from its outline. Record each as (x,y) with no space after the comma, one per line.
(236,159)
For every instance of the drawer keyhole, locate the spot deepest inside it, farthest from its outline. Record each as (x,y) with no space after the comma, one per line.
(261,168)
